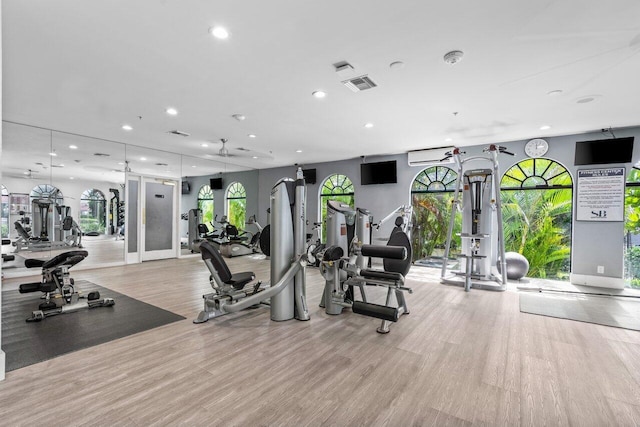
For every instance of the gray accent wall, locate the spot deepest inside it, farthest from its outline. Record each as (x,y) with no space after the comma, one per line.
(593,243)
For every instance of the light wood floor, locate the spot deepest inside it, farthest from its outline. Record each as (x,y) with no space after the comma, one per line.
(458,359)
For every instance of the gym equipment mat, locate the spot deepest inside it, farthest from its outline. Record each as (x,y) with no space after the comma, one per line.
(28,343)
(608,311)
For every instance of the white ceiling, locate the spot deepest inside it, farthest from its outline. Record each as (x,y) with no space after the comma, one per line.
(88,67)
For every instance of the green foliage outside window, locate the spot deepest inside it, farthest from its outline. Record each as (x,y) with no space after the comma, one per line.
(632,229)
(92,211)
(536,200)
(237,205)
(205,203)
(431,197)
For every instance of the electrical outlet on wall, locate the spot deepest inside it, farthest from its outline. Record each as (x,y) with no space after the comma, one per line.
(601,269)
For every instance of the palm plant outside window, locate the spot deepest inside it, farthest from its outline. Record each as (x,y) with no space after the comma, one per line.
(536,199)
(431,196)
(236,205)
(335,187)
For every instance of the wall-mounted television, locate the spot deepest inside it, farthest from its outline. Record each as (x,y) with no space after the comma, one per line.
(378,173)
(215,183)
(186,187)
(309,176)
(604,151)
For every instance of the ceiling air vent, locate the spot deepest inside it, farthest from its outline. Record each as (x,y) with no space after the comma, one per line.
(360,83)
(101,154)
(179,132)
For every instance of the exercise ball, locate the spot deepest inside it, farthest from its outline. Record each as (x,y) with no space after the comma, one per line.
(517,265)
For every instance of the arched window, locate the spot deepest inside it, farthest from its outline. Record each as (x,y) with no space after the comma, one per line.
(47,192)
(93,208)
(205,203)
(335,187)
(536,199)
(632,229)
(431,195)
(5,213)
(236,205)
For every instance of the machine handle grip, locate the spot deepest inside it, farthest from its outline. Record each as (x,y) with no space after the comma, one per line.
(389,252)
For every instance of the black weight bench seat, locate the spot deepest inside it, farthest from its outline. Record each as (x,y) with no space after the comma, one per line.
(384,275)
(237,280)
(69,259)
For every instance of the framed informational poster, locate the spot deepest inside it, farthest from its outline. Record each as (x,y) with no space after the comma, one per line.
(600,195)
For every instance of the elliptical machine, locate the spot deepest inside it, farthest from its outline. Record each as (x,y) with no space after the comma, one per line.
(233,292)
(482,232)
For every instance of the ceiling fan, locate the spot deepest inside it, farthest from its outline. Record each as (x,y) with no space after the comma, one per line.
(241,152)
(26,174)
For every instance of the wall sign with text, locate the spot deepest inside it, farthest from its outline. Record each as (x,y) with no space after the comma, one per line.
(600,194)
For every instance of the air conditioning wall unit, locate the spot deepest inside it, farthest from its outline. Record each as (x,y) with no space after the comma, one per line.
(429,156)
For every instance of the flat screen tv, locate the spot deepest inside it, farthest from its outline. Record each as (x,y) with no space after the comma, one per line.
(378,173)
(215,183)
(309,175)
(186,187)
(604,151)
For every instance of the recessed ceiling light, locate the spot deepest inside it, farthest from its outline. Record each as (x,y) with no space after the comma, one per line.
(73,147)
(219,32)
(554,92)
(61,165)
(545,127)
(71,177)
(251,135)
(127,127)
(172,111)
(368,125)
(143,158)
(52,154)
(204,144)
(239,117)
(255,157)
(121,163)
(585,100)
(193,166)
(319,94)
(448,139)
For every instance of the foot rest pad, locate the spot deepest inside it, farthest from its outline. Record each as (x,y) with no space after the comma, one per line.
(376,310)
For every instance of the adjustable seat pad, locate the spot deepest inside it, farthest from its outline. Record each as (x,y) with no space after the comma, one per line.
(237,280)
(384,275)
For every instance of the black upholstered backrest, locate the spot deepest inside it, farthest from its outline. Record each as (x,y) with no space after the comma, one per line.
(232,230)
(203,229)
(209,252)
(21,231)
(69,259)
(67,223)
(399,238)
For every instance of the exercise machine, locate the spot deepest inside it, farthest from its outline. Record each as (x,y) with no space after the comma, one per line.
(403,219)
(286,290)
(60,294)
(53,228)
(342,274)
(482,233)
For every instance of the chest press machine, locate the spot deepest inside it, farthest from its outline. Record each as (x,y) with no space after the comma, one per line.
(287,290)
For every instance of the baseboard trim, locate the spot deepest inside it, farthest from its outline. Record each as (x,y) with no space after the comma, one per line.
(597,281)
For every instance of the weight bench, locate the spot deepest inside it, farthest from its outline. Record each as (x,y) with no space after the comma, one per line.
(60,295)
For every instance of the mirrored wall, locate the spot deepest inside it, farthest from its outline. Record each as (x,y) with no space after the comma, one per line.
(64,192)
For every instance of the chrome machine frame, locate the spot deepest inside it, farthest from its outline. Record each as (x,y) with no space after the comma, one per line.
(287,292)
(482,218)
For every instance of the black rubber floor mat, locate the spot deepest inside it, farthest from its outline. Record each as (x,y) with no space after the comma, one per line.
(27,343)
